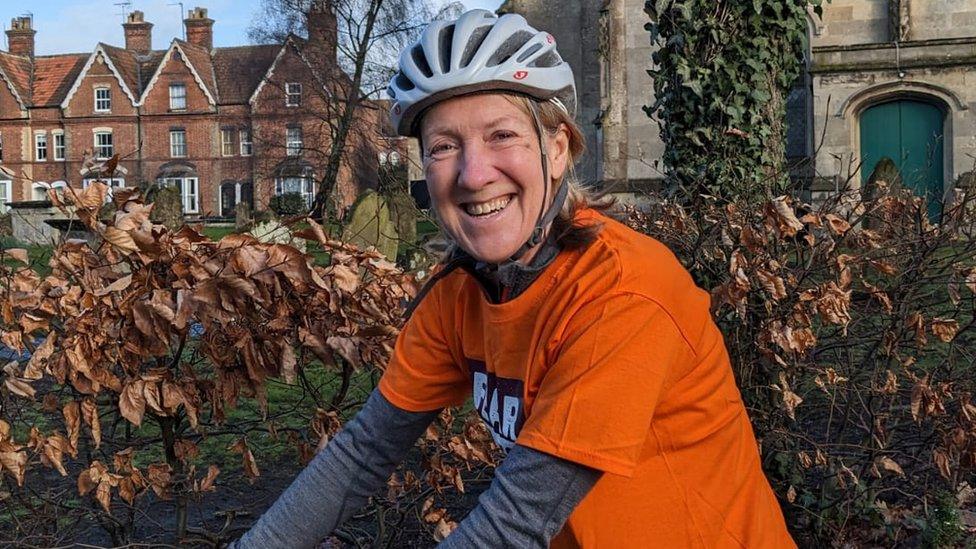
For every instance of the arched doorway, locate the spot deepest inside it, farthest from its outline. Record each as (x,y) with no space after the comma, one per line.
(911,133)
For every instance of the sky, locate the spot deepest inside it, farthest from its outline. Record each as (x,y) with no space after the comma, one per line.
(75,26)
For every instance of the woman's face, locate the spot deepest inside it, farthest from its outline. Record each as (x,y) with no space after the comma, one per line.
(484,172)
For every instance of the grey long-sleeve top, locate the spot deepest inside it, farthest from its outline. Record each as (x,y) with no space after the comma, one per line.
(529,500)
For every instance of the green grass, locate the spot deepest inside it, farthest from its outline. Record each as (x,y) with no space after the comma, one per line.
(216,233)
(38,255)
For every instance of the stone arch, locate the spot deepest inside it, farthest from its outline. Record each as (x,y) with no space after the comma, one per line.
(924,91)
(943,98)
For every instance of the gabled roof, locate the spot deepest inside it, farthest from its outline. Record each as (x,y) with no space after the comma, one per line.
(15,72)
(103,50)
(299,45)
(201,65)
(199,62)
(228,76)
(53,76)
(239,70)
(128,66)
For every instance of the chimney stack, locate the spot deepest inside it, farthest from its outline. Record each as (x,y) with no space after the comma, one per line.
(138,33)
(322,32)
(20,37)
(199,28)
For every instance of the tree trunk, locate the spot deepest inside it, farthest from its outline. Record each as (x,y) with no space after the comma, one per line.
(168,427)
(353,100)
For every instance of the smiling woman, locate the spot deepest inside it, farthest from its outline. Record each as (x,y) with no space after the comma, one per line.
(586,347)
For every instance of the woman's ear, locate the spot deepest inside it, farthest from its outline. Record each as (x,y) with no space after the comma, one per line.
(558,145)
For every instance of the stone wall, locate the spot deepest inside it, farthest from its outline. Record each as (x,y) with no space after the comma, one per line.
(28,222)
(856,64)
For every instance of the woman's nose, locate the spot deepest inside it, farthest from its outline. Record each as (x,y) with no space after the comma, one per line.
(476,168)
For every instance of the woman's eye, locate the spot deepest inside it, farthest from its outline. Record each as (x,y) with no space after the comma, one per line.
(443,147)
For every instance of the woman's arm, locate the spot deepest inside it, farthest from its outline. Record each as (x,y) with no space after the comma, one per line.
(341,477)
(530,498)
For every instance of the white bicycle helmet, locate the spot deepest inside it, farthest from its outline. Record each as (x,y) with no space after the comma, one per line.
(478,52)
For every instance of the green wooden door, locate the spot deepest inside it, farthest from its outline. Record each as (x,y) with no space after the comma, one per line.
(910,133)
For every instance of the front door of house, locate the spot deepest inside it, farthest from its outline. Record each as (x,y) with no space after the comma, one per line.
(228,199)
(910,133)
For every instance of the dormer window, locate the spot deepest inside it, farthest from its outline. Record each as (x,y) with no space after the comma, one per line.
(103,99)
(293,94)
(177,97)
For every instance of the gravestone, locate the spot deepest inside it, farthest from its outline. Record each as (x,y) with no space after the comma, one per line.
(371,225)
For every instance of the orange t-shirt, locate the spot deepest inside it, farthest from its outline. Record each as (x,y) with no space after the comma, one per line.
(609,359)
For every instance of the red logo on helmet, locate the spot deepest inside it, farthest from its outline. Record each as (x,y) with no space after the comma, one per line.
(520,75)
(396,109)
(550,39)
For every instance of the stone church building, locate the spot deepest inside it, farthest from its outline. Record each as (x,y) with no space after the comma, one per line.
(885,78)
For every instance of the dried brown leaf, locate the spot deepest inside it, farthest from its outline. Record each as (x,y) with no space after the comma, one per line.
(18,254)
(89,412)
(72,421)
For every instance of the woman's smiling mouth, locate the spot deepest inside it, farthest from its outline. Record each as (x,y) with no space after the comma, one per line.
(483,209)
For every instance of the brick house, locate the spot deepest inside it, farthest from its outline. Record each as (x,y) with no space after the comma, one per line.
(223,125)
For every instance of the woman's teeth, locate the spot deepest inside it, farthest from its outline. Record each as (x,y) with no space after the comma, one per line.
(484,208)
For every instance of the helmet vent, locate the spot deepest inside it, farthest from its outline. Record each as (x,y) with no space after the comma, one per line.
(548,59)
(528,53)
(474,43)
(417,53)
(508,48)
(404,83)
(447,35)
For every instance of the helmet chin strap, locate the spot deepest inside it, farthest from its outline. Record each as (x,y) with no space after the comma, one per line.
(546,216)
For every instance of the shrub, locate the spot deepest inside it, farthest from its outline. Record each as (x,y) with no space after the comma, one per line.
(169,330)
(288,204)
(850,325)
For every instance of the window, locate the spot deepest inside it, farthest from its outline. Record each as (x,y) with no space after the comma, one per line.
(40,147)
(293,141)
(293,94)
(103,100)
(177,97)
(177,143)
(246,145)
(59,147)
(1,147)
(188,190)
(6,187)
(300,184)
(103,145)
(227,142)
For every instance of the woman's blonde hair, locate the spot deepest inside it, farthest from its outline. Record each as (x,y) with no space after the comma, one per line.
(569,233)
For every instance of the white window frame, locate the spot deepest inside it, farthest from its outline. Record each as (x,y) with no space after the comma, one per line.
(293,94)
(173,98)
(177,150)
(247,145)
(60,147)
(113,183)
(189,192)
(99,147)
(293,145)
(6,194)
(226,142)
(307,189)
(103,104)
(40,146)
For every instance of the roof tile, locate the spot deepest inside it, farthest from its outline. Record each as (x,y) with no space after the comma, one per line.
(239,71)
(54,76)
